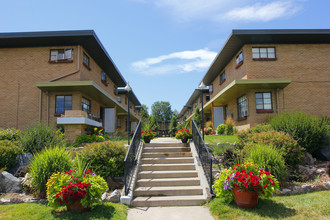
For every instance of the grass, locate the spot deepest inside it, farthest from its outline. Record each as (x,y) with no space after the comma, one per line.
(30,211)
(214,139)
(305,206)
(117,139)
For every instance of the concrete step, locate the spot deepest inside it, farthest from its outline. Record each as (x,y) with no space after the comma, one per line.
(167,154)
(165,149)
(167,174)
(168,160)
(168,191)
(151,201)
(166,145)
(180,166)
(192,181)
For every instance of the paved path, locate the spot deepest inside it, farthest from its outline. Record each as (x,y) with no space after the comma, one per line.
(165,140)
(170,213)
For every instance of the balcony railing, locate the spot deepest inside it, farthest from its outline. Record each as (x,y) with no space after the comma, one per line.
(203,154)
(131,159)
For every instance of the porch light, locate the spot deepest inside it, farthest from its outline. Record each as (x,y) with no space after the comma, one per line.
(127,87)
(202,86)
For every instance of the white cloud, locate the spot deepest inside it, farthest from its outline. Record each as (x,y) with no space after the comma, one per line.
(174,63)
(266,12)
(224,10)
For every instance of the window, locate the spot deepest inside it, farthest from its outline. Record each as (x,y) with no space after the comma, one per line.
(210,88)
(264,101)
(242,103)
(115,90)
(222,77)
(86,105)
(207,97)
(63,103)
(61,55)
(118,123)
(263,53)
(119,99)
(85,60)
(239,58)
(104,77)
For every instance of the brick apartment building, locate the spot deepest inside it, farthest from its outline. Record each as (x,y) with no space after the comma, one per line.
(259,73)
(61,77)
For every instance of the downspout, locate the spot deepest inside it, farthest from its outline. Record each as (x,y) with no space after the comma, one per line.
(277,104)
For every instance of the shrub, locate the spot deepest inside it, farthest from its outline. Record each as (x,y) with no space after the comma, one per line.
(308,130)
(106,158)
(39,136)
(209,124)
(208,131)
(8,153)
(292,152)
(269,158)
(45,163)
(243,136)
(229,126)
(219,187)
(221,129)
(89,139)
(10,134)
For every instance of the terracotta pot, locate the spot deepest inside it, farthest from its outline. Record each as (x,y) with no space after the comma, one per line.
(77,207)
(245,199)
(184,140)
(146,140)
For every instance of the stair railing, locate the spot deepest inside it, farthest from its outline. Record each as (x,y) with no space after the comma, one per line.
(203,154)
(131,158)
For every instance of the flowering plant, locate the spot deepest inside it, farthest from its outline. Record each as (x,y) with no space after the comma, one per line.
(246,177)
(65,188)
(183,134)
(148,134)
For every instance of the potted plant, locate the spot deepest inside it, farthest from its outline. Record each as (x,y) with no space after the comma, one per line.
(183,134)
(148,136)
(76,189)
(245,183)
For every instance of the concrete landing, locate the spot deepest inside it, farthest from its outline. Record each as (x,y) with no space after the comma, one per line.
(170,213)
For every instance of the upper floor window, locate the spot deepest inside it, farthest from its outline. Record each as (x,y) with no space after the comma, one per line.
(119,99)
(222,77)
(264,101)
(210,88)
(63,103)
(242,103)
(263,53)
(86,60)
(86,105)
(239,57)
(104,77)
(61,55)
(207,97)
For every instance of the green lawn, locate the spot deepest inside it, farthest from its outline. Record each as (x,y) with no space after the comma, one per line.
(214,139)
(40,211)
(305,206)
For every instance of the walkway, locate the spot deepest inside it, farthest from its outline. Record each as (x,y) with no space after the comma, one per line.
(169,213)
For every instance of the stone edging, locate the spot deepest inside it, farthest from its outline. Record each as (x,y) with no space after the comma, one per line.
(305,188)
(21,200)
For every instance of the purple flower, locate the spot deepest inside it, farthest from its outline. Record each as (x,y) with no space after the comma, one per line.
(93,174)
(75,178)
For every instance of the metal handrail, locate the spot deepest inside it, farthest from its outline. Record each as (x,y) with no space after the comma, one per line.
(203,154)
(131,158)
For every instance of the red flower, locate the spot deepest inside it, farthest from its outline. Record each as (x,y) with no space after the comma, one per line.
(265,185)
(101,128)
(142,132)
(263,192)
(255,188)
(187,130)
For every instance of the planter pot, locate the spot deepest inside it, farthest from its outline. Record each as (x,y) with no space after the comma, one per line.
(245,199)
(146,140)
(185,140)
(77,207)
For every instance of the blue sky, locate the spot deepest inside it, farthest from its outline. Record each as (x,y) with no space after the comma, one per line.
(163,47)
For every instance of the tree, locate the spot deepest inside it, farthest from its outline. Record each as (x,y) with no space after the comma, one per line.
(173,125)
(198,117)
(161,111)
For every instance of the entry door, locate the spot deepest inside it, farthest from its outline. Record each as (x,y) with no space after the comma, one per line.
(218,116)
(109,120)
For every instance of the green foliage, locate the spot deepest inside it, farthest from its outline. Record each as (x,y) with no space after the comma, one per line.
(45,163)
(183,123)
(148,134)
(292,152)
(161,111)
(150,124)
(221,129)
(229,129)
(244,136)
(11,134)
(198,117)
(269,158)
(54,186)
(173,125)
(105,158)
(8,153)
(39,136)
(218,185)
(89,139)
(183,134)
(310,131)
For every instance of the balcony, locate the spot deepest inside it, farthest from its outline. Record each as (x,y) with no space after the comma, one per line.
(75,117)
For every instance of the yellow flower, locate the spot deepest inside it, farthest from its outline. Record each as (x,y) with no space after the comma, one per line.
(95,129)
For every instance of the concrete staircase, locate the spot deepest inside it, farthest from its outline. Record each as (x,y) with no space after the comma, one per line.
(167,177)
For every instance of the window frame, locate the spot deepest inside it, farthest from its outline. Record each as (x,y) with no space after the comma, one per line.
(64,107)
(118,123)
(267,53)
(221,78)
(64,59)
(242,103)
(89,107)
(104,78)
(239,62)
(86,61)
(263,110)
